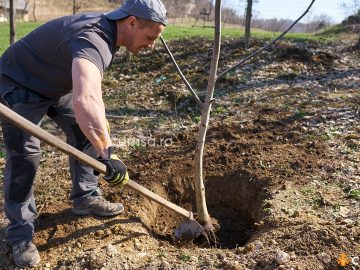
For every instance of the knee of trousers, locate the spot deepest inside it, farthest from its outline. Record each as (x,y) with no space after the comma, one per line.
(18,142)
(20,171)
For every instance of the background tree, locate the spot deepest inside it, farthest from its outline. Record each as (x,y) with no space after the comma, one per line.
(200,6)
(76,6)
(351,7)
(248,16)
(177,9)
(318,22)
(4,4)
(12,15)
(34,11)
(353,20)
(229,15)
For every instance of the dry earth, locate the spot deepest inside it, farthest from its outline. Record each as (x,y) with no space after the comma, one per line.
(281,164)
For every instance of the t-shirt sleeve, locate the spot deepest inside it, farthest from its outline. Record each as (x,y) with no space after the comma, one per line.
(91,46)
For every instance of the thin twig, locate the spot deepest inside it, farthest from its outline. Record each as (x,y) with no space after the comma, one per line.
(39,211)
(268,45)
(200,103)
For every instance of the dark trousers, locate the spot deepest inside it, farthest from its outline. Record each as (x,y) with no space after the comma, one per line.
(23,155)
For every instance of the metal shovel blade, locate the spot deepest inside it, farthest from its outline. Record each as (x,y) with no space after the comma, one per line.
(188,230)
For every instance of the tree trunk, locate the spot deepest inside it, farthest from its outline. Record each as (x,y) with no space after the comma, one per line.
(248,23)
(202,211)
(12,16)
(210,10)
(74,6)
(26,6)
(34,11)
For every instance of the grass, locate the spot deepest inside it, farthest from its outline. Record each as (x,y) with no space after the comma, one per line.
(354,194)
(137,146)
(183,32)
(184,257)
(162,254)
(299,115)
(337,32)
(308,190)
(22,29)
(218,110)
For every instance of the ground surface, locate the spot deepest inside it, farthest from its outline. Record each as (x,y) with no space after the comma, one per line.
(281,164)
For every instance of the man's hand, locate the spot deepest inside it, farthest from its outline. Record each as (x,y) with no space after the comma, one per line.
(116,171)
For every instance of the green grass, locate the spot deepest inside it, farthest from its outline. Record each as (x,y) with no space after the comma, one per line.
(182,32)
(354,194)
(184,257)
(299,115)
(332,31)
(22,29)
(218,110)
(185,32)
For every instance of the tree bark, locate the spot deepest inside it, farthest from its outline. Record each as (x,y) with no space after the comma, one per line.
(210,10)
(26,6)
(12,18)
(74,6)
(202,211)
(34,11)
(248,23)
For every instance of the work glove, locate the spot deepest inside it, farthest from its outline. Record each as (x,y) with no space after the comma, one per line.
(116,171)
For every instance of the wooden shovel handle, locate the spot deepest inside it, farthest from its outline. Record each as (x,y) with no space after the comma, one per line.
(42,135)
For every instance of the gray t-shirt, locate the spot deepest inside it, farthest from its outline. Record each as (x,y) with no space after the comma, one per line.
(41,61)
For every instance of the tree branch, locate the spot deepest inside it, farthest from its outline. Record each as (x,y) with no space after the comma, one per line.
(199,102)
(268,45)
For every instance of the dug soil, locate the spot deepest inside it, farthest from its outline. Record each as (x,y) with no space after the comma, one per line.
(281,164)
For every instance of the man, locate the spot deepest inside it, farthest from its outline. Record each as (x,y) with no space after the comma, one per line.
(57,70)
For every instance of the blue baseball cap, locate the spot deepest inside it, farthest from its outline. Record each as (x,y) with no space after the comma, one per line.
(153,10)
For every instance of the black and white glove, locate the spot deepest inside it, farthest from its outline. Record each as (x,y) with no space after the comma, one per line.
(116,170)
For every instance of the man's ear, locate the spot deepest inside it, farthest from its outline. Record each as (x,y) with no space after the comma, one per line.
(131,21)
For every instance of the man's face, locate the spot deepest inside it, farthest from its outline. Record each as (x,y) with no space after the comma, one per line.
(143,36)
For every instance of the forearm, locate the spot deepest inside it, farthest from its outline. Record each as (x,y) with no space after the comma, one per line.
(88,104)
(90,116)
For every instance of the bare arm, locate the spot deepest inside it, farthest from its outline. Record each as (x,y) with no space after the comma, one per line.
(88,104)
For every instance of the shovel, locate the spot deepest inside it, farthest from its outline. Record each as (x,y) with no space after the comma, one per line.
(187,231)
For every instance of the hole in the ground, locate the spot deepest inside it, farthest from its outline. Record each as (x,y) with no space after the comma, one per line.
(234,200)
